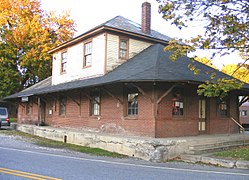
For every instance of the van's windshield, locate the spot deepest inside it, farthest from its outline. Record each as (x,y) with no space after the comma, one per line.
(3,112)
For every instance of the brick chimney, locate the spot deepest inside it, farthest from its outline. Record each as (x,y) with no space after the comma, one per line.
(146,17)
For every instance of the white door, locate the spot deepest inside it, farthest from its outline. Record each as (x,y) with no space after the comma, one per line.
(202,115)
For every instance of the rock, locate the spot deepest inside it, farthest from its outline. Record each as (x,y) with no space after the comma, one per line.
(242,164)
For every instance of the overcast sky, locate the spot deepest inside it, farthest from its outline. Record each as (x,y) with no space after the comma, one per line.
(90,13)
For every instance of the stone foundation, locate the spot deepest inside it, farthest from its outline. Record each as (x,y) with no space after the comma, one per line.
(151,149)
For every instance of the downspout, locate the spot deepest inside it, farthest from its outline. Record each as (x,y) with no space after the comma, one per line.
(105,61)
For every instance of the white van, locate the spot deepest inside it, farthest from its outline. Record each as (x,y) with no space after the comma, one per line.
(4,117)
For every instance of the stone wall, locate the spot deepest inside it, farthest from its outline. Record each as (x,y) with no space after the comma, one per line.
(151,149)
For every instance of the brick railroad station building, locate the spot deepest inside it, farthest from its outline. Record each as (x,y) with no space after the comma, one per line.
(117,78)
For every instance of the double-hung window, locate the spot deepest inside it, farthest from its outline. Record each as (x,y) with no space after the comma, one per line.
(178,102)
(123,48)
(62,105)
(28,108)
(88,54)
(95,103)
(132,103)
(63,62)
(223,108)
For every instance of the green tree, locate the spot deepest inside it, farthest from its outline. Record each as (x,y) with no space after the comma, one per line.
(27,34)
(226,24)
(9,76)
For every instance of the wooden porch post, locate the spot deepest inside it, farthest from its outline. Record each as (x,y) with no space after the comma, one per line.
(154,101)
(39,110)
(155,105)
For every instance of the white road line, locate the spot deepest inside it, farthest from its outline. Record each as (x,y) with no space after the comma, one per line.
(129,164)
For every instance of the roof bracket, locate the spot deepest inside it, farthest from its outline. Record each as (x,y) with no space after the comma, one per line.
(73,99)
(52,97)
(35,102)
(166,93)
(110,94)
(91,99)
(44,100)
(142,92)
(21,105)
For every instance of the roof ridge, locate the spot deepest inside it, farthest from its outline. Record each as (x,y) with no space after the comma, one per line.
(102,24)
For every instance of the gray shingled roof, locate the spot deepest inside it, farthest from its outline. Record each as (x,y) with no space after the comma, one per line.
(152,64)
(122,23)
(43,84)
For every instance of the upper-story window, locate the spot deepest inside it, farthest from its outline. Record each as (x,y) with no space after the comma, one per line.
(63,62)
(123,48)
(88,54)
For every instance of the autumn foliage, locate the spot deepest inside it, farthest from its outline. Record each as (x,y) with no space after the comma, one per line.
(240,72)
(226,30)
(27,34)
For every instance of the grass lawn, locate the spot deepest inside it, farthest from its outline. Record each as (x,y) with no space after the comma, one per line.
(240,153)
(57,144)
(13,120)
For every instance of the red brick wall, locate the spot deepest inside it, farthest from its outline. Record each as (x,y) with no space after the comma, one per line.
(223,125)
(112,117)
(169,126)
(32,117)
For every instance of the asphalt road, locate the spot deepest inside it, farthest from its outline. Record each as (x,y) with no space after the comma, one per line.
(20,159)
